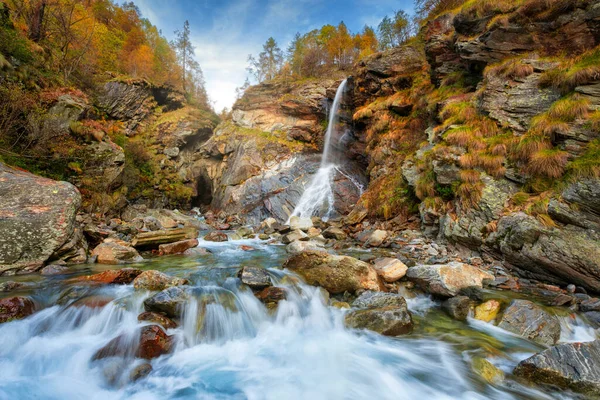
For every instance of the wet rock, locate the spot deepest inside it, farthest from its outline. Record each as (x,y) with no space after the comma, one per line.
(255,277)
(246,248)
(271,296)
(299,246)
(177,247)
(93,301)
(145,240)
(54,270)
(487,371)
(592,304)
(384,313)
(156,280)
(300,223)
(334,233)
(245,231)
(13,308)
(169,301)
(390,269)
(448,280)
(593,318)
(268,224)
(115,277)
(10,286)
(148,342)
(140,372)
(375,238)
(196,251)
(157,318)
(115,253)
(216,236)
(38,219)
(356,216)
(313,232)
(337,274)
(529,320)
(340,304)
(570,366)
(293,236)
(457,307)
(488,311)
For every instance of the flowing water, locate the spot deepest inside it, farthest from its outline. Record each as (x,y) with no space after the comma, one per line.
(318,197)
(230,346)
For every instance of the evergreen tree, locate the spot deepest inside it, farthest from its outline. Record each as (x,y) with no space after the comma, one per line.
(394,31)
(269,62)
(185,54)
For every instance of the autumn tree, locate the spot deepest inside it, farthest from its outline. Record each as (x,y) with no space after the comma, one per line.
(394,31)
(268,63)
(425,8)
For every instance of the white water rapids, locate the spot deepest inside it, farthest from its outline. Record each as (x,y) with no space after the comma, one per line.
(238,349)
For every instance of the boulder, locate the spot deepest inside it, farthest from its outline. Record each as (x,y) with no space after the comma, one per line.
(488,311)
(301,223)
(530,321)
(54,270)
(255,277)
(571,366)
(10,286)
(300,246)
(487,371)
(114,253)
(155,280)
(384,313)
(177,247)
(448,280)
(38,219)
(337,274)
(170,301)
(148,342)
(103,164)
(390,269)
(13,308)
(156,238)
(271,296)
(157,318)
(457,307)
(293,236)
(116,277)
(216,236)
(592,304)
(375,238)
(140,372)
(334,233)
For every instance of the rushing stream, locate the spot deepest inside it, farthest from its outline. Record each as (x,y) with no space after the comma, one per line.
(238,349)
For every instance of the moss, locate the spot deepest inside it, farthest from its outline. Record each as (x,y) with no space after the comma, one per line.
(587,165)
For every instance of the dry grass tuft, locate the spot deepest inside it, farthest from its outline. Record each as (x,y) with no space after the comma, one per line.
(469,194)
(550,163)
(470,176)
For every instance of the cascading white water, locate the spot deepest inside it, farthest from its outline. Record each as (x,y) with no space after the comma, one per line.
(318,197)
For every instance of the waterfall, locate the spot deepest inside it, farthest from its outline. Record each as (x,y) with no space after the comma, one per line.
(318,197)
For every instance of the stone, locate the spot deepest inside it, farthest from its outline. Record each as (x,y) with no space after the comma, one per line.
(38,219)
(488,311)
(268,224)
(171,152)
(245,232)
(448,280)
(216,236)
(529,320)
(334,233)
(13,308)
(140,372)
(384,313)
(169,301)
(293,236)
(196,251)
(390,269)
(255,277)
(571,366)
(271,296)
(154,239)
(177,247)
(337,274)
(356,216)
(156,280)
(54,270)
(148,342)
(375,238)
(300,223)
(157,318)
(10,286)
(299,246)
(115,277)
(103,164)
(313,232)
(487,371)
(592,304)
(457,307)
(114,253)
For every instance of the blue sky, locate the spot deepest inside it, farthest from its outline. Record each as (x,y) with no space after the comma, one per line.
(226,31)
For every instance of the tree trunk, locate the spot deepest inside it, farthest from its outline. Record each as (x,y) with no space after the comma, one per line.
(36,24)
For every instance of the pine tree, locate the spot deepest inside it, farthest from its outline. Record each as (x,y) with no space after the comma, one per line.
(269,61)
(185,54)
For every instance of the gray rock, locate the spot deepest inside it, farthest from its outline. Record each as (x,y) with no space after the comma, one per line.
(448,280)
(530,321)
(293,236)
(302,224)
(170,301)
(371,299)
(573,366)
(390,269)
(38,219)
(255,277)
(334,233)
(384,313)
(592,304)
(457,307)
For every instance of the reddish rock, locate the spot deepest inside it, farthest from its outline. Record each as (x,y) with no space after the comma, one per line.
(156,280)
(116,253)
(223,227)
(177,247)
(149,342)
(246,248)
(157,318)
(93,301)
(15,308)
(271,295)
(116,276)
(216,236)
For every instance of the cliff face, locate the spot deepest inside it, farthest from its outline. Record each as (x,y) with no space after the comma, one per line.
(489,129)
(259,163)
